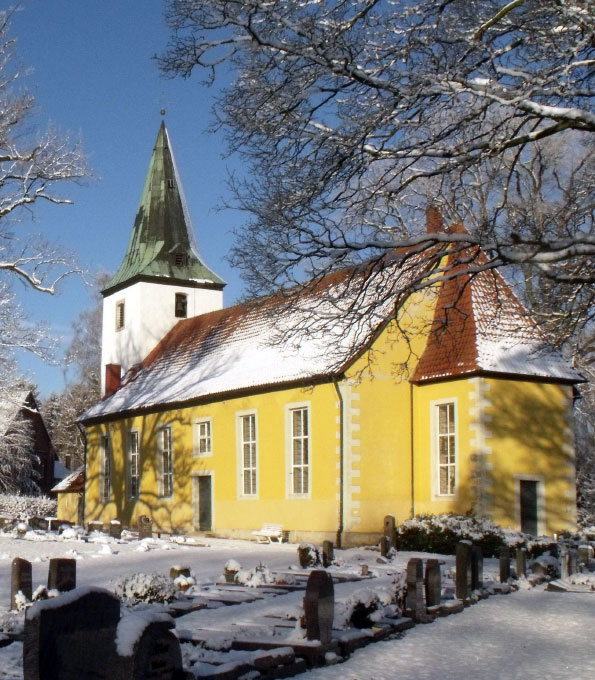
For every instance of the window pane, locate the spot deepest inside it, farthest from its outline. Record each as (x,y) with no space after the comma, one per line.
(443,480)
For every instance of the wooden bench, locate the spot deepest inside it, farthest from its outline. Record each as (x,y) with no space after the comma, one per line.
(270,533)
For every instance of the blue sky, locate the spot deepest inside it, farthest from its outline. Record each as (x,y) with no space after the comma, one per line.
(92,75)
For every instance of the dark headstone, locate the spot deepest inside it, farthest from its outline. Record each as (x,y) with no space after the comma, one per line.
(584,555)
(504,564)
(521,562)
(39,523)
(174,572)
(21,580)
(308,555)
(433,583)
(71,636)
(463,570)
(390,530)
(414,601)
(155,654)
(95,525)
(62,574)
(328,553)
(563,563)
(319,606)
(145,527)
(115,528)
(572,561)
(384,546)
(476,567)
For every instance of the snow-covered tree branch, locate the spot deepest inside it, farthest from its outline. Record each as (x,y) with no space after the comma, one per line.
(354,114)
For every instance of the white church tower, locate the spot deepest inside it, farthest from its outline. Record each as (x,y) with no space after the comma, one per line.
(162,278)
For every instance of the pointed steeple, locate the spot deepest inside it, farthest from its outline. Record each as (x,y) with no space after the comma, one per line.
(162,243)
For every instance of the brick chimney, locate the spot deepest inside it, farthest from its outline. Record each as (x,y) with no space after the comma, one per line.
(112,378)
(434,223)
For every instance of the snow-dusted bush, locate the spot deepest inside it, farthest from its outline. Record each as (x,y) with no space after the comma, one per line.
(441,533)
(16,506)
(145,588)
(253,578)
(309,555)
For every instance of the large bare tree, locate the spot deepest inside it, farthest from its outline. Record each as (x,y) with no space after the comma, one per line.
(34,164)
(353,113)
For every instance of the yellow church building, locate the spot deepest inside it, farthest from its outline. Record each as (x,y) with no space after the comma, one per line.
(213,421)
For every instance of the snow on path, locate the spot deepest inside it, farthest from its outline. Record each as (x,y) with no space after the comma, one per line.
(527,635)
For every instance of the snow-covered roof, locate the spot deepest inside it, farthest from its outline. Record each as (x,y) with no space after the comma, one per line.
(238,349)
(10,405)
(481,326)
(75,481)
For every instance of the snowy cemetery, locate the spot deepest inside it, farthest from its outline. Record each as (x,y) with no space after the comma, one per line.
(106,602)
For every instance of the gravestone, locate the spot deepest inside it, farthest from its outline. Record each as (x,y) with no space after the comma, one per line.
(95,525)
(584,555)
(39,523)
(463,570)
(384,546)
(62,574)
(390,530)
(174,572)
(433,583)
(115,528)
(521,562)
(415,605)
(572,561)
(319,606)
(145,527)
(563,563)
(504,564)
(71,636)
(476,567)
(155,654)
(21,580)
(328,553)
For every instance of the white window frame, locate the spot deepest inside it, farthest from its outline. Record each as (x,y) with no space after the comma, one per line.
(165,462)
(240,416)
(289,450)
(106,466)
(129,454)
(198,437)
(435,435)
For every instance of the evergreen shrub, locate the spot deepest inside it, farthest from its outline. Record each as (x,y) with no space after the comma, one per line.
(18,507)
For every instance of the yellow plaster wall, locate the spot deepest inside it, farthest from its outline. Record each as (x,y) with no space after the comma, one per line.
(230,512)
(68,504)
(530,436)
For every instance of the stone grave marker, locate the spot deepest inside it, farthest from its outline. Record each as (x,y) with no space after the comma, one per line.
(390,530)
(563,563)
(62,574)
(328,553)
(115,528)
(476,567)
(415,605)
(71,636)
(504,564)
(38,523)
(95,525)
(319,606)
(154,654)
(145,527)
(433,583)
(572,561)
(20,580)
(384,546)
(584,555)
(463,570)
(521,562)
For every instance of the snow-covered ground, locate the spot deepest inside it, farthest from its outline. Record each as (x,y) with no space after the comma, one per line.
(528,634)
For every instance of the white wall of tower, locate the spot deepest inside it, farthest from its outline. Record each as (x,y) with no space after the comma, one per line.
(149,313)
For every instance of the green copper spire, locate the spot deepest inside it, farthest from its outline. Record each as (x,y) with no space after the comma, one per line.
(162,244)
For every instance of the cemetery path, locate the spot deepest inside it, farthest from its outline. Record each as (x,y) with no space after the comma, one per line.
(531,634)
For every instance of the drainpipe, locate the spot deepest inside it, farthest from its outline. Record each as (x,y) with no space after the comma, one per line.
(412,450)
(84,436)
(341,463)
